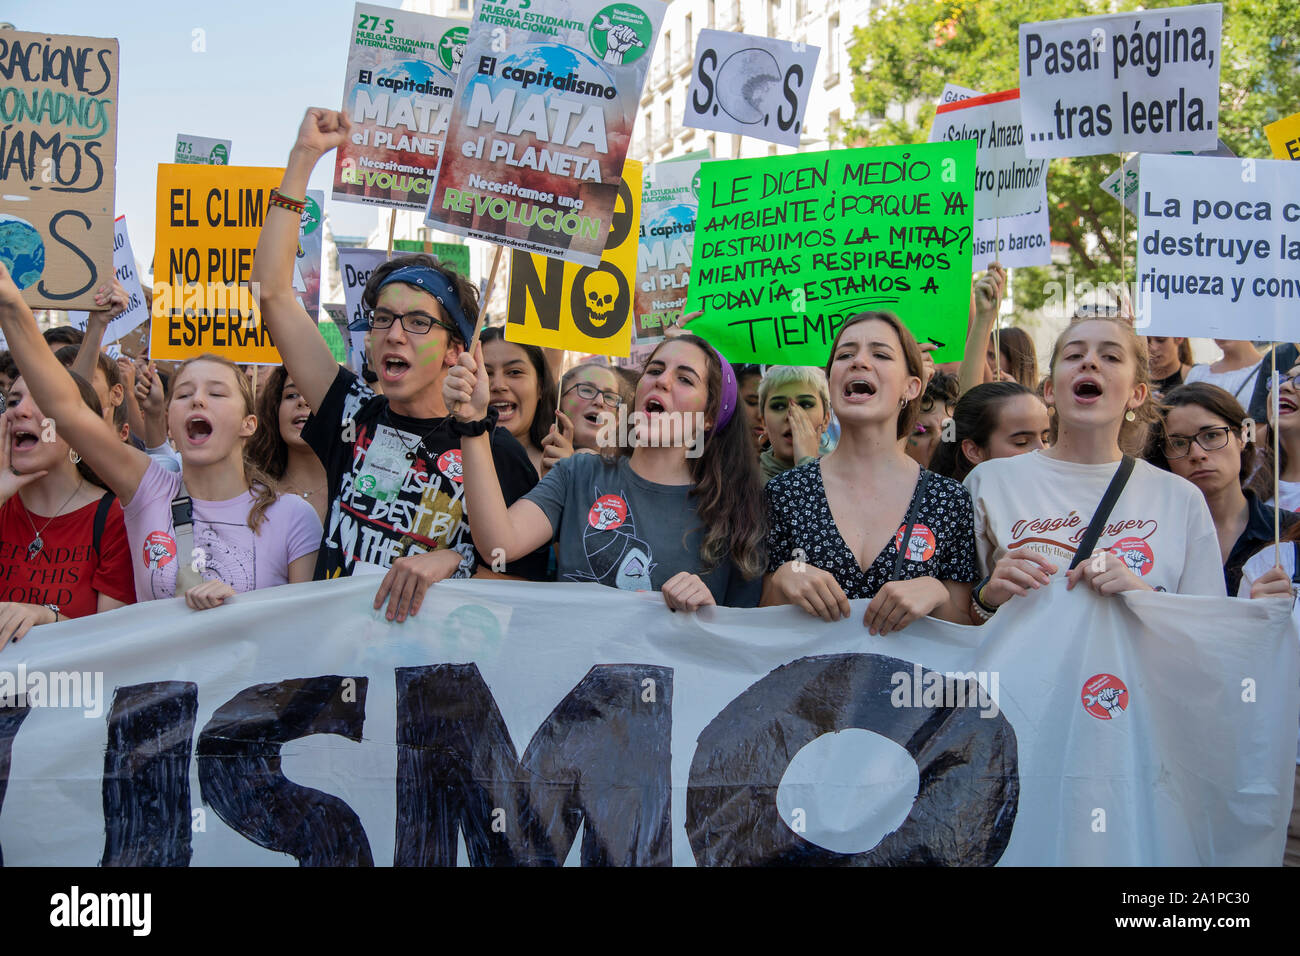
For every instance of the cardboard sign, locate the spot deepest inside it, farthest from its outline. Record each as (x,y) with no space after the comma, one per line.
(208,222)
(202,151)
(1134,82)
(544,112)
(1007,183)
(1219,248)
(669,207)
(1284,137)
(750,86)
(137,310)
(788,247)
(306,266)
(58,150)
(455,255)
(563,305)
(400,77)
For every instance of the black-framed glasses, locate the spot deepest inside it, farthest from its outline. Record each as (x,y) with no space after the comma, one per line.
(417,323)
(1211,439)
(588,392)
(1283,380)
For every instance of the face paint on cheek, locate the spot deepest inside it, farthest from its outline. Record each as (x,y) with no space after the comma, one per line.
(430,353)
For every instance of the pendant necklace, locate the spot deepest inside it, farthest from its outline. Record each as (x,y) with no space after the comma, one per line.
(38,542)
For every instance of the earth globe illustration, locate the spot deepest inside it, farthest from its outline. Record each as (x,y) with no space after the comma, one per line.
(22,250)
(559,60)
(747,82)
(675,222)
(417,71)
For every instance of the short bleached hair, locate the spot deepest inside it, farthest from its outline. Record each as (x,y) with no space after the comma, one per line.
(808,376)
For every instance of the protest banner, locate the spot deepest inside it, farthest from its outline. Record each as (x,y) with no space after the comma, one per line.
(1133,82)
(788,247)
(297,725)
(307,263)
(1131,177)
(750,86)
(202,151)
(355,266)
(400,76)
(564,305)
(669,205)
(137,309)
(208,222)
(1015,241)
(452,254)
(952,93)
(1007,183)
(543,115)
(58,140)
(1219,248)
(1284,137)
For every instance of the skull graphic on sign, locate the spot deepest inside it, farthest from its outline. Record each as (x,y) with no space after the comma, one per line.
(600,301)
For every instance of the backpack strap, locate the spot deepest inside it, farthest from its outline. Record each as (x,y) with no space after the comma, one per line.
(1113,491)
(911,522)
(1295,575)
(101,518)
(183,524)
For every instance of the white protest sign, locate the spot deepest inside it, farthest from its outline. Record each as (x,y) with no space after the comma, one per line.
(1007,183)
(1130,171)
(1219,248)
(1015,241)
(355,266)
(202,151)
(952,93)
(1146,81)
(137,310)
(750,86)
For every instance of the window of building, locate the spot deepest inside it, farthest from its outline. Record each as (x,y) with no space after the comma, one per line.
(690,40)
(668,116)
(668,50)
(833,125)
(833,49)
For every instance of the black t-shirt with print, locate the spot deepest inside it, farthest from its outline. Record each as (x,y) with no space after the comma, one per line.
(942,545)
(428,511)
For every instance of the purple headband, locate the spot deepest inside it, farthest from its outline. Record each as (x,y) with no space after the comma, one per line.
(730,391)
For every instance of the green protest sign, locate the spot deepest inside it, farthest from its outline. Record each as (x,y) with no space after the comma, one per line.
(788,247)
(454,254)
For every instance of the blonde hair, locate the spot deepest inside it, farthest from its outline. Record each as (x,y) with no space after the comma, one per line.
(1133,435)
(260,484)
(779,376)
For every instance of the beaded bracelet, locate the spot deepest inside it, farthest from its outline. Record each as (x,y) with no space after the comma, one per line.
(284,202)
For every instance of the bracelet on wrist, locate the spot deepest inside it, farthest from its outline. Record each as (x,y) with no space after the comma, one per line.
(977,598)
(284,202)
(474,429)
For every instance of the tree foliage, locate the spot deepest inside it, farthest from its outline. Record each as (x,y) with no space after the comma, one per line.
(907,51)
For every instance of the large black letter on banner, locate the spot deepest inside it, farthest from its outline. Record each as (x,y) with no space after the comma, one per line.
(965,805)
(601,759)
(11,718)
(147,775)
(239,768)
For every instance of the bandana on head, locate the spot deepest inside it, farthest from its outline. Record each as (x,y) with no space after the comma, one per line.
(730,391)
(437,285)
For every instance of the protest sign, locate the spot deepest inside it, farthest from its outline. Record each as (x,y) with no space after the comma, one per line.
(1016,241)
(201,150)
(542,119)
(58,140)
(788,247)
(334,330)
(208,222)
(1284,137)
(1131,178)
(750,86)
(400,76)
(355,266)
(1007,183)
(952,93)
(1219,248)
(455,255)
(137,309)
(306,265)
(297,725)
(563,305)
(669,205)
(1145,81)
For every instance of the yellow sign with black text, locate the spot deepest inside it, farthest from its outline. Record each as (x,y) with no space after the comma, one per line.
(1284,137)
(563,305)
(209,220)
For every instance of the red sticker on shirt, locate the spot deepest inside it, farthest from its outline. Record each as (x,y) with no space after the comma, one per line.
(1135,553)
(920,547)
(449,464)
(159,550)
(609,512)
(1104,696)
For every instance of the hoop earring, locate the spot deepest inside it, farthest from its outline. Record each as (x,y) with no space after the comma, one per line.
(902,403)
(1051,411)
(1130,415)
(74,457)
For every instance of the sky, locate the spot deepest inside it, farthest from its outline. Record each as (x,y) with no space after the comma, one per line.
(248,77)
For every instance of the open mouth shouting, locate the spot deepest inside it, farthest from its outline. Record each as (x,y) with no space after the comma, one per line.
(1087,391)
(859,390)
(24,440)
(197,430)
(505,411)
(653,406)
(1285,405)
(393,367)
(298,422)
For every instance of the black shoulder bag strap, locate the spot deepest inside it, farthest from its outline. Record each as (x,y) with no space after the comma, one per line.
(911,522)
(1113,491)
(101,518)
(1295,575)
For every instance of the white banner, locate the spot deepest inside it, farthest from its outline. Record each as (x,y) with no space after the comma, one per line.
(1145,81)
(750,86)
(1007,183)
(297,724)
(1219,248)
(355,266)
(137,310)
(202,150)
(1015,241)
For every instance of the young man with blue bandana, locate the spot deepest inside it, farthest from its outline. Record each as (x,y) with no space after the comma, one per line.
(393,461)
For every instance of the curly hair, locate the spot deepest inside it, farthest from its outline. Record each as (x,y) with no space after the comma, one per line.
(464,289)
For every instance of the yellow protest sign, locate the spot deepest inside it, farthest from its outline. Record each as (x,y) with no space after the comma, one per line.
(209,218)
(563,305)
(1284,137)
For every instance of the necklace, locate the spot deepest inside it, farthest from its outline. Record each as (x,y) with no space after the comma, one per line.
(410,449)
(38,543)
(293,489)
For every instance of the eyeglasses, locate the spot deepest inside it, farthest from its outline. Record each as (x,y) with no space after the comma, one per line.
(1283,380)
(588,392)
(417,323)
(1211,439)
